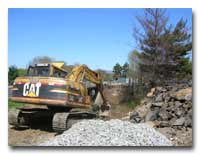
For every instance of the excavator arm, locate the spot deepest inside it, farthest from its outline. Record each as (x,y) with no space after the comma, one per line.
(83,72)
(78,73)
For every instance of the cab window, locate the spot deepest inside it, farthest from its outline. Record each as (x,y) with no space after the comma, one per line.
(59,73)
(38,71)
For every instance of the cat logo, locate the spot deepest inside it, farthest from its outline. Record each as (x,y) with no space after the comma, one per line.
(31,89)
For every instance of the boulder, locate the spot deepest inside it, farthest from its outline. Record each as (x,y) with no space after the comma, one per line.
(170,109)
(159,98)
(172,121)
(151,93)
(187,105)
(143,110)
(171,104)
(190,83)
(134,114)
(164,115)
(152,115)
(177,104)
(161,89)
(188,97)
(164,106)
(164,124)
(157,104)
(167,99)
(179,112)
(188,121)
(179,122)
(172,114)
(135,118)
(190,113)
(181,94)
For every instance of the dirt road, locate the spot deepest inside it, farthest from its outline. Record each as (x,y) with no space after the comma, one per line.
(28,137)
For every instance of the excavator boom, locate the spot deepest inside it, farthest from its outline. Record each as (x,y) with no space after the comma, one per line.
(79,72)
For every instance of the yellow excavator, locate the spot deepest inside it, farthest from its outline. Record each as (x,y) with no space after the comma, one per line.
(69,97)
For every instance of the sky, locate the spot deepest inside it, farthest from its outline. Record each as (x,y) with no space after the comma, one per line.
(98,38)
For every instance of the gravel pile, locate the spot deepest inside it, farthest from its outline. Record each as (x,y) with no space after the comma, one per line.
(109,133)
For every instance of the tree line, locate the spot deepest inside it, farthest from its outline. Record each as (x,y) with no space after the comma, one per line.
(120,71)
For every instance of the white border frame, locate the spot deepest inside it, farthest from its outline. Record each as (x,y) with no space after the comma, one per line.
(5,4)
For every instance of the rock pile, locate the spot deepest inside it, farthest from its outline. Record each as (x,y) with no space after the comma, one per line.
(169,106)
(109,133)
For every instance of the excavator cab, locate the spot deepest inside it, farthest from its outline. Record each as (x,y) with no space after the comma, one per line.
(38,70)
(46,70)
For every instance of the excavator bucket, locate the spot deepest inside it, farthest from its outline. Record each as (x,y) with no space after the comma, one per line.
(104,107)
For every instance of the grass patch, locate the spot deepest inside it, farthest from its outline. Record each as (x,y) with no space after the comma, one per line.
(14,105)
(135,101)
(132,104)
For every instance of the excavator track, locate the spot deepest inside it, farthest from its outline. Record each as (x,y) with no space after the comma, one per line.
(64,120)
(59,122)
(13,117)
(29,117)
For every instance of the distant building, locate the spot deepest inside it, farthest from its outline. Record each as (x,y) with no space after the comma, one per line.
(119,81)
